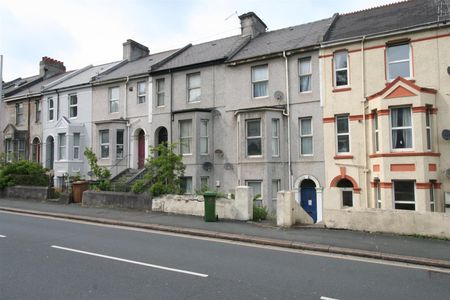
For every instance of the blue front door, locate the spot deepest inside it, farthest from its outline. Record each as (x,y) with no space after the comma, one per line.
(308,201)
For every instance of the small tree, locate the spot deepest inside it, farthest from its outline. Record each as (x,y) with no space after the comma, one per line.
(164,170)
(101,173)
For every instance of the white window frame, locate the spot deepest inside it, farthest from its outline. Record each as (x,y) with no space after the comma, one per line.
(76,146)
(336,70)
(120,145)
(377,190)
(376,131)
(73,108)
(204,182)
(113,102)
(62,146)
(51,108)
(401,128)
(394,182)
(247,137)
(204,137)
(304,75)
(276,187)
(160,92)
(306,136)
(21,149)
(262,81)
(104,144)
(9,150)
(389,63)
(428,132)
(276,137)
(191,87)
(141,97)
(185,141)
(257,181)
(19,114)
(343,134)
(184,185)
(37,106)
(432,196)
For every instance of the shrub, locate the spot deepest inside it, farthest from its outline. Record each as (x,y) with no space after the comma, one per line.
(101,173)
(138,186)
(23,172)
(259,213)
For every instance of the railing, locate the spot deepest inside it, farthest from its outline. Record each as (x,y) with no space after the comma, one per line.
(117,162)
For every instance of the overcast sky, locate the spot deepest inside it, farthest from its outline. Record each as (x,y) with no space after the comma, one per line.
(83,32)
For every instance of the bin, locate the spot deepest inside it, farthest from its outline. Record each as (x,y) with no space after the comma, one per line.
(210,206)
(78,187)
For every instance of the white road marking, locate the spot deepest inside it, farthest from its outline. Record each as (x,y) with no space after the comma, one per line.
(327,298)
(2,236)
(132,261)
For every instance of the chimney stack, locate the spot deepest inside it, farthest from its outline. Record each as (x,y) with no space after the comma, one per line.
(49,67)
(251,25)
(133,50)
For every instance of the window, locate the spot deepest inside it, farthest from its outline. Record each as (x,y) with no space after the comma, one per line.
(37,106)
(9,150)
(61,146)
(21,149)
(19,113)
(160,92)
(343,134)
(404,195)
(432,193)
(73,106)
(376,133)
(256,185)
(304,71)
(341,68)
(51,108)
(204,137)
(194,90)
(377,187)
(401,128)
(204,182)
(306,136)
(76,145)
(276,187)
(260,80)
(119,144)
(275,137)
(428,128)
(254,137)
(185,136)
(186,185)
(114,99)
(141,92)
(104,143)
(398,59)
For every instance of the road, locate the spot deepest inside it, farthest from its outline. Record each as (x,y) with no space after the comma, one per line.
(42,258)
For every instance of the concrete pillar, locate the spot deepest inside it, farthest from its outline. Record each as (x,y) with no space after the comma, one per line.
(285,208)
(243,203)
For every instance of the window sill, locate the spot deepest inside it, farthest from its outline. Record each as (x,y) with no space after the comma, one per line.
(340,156)
(260,98)
(254,156)
(305,92)
(193,102)
(306,155)
(388,82)
(344,89)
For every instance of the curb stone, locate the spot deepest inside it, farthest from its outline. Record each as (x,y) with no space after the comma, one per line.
(246,238)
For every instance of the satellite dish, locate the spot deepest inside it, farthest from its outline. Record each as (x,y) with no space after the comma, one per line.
(447,173)
(278,95)
(207,166)
(446,134)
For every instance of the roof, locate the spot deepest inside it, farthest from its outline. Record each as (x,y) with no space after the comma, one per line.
(84,77)
(395,16)
(210,51)
(18,84)
(290,38)
(136,67)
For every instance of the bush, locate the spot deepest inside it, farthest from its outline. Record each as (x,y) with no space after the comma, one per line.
(23,172)
(104,185)
(138,186)
(259,213)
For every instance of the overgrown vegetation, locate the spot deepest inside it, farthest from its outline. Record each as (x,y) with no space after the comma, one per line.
(138,186)
(259,213)
(164,170)
(23,172)
(102,174)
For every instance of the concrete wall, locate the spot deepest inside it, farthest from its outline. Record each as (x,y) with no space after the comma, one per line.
(38,193)
(392,221)
(116,200)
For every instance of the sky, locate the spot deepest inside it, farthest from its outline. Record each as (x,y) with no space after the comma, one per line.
(84,32)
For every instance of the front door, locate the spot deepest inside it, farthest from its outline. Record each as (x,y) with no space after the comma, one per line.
(308,201)
(141,149)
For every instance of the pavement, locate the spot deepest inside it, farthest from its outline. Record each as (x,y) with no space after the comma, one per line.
(390,247)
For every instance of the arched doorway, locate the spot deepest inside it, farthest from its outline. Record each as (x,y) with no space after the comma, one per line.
(36,150)
(161,136)
(308,198)
(49,152)
(346,187)
(141,149)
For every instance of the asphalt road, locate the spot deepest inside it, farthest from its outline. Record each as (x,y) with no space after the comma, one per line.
(55,259)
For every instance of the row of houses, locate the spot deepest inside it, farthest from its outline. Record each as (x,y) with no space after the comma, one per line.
(350,111)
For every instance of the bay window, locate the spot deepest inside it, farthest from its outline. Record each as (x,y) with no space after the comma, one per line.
(401,128)
(254,137)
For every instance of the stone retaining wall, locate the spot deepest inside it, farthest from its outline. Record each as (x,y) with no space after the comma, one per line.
(39,193)
(116,200)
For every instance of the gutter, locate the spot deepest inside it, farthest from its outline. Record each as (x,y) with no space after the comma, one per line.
(288,120)
(363,109)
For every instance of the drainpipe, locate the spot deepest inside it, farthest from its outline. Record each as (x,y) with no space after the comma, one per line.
(57,105)
(288,120)
(363,109)
(128,123)
(237,148)
(170,106)
(27,142)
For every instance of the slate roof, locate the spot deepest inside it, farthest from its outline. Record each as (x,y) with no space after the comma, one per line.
(289,38)
(395,16)
(14,86)
(210,51)
(136,67)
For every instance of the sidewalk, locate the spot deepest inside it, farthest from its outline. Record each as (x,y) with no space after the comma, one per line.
(383,246)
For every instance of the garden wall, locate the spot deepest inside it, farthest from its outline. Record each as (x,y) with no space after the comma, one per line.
(116,200)
(39,193)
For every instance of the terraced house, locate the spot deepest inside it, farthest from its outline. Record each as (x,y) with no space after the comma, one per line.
(386,102)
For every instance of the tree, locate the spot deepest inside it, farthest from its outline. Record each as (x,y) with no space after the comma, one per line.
(101,173)
(164,170)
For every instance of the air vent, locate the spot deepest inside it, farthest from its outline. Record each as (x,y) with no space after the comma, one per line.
(278,95)
(446,134)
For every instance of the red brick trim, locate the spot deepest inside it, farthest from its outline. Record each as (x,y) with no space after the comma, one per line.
(400,154)
(343,157)
(423,185)
(405,81)
(434,111)
(383,112)
(338,90)
(329,120)
(432,167)
(419,109)
(339,177)
(386,185)
(376,168)
(403,167)
(356,118)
